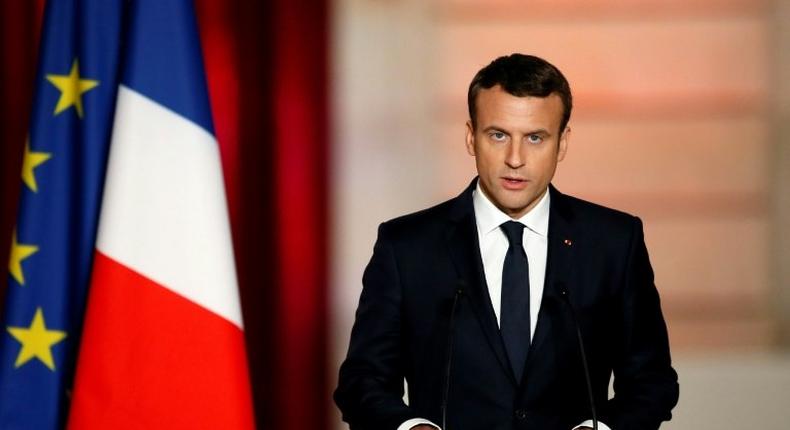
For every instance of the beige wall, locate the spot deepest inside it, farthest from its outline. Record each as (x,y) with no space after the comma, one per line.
(780,189)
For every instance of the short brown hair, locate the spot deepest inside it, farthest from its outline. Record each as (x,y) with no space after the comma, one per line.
(522,75)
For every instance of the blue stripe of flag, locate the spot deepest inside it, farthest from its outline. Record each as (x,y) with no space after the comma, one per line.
(165,32)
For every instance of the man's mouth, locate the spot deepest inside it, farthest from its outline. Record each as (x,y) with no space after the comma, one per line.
(513,183)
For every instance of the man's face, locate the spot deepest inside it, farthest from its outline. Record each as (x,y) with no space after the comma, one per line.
(516,145)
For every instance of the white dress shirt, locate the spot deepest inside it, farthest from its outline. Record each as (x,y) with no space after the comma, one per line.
(494,245)
(493,248)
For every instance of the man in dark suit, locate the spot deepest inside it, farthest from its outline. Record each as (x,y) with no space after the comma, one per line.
(498,305)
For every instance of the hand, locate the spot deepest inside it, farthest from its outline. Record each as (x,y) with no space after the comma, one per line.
(423,427)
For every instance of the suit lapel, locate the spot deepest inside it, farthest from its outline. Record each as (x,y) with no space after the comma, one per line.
(560,254)
(463,247)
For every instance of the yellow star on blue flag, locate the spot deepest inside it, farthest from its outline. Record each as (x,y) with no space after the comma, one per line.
(31,160)
(19,252)
(71,87)
(36,341)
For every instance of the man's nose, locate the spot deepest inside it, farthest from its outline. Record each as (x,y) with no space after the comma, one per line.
(514,158)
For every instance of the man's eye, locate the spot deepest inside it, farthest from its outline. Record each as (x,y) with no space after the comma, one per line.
(534,138)
(498,136)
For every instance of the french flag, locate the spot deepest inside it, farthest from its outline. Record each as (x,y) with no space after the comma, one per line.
(163,340)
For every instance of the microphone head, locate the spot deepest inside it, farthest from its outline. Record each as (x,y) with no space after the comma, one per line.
(461,286)
(560,286)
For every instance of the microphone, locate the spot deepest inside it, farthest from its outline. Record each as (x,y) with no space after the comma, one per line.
(448,364)
(566,298)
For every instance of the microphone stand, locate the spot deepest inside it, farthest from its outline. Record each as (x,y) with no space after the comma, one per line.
(458,293)
(565,298)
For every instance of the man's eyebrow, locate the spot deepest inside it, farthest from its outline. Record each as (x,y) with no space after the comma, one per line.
(541,131)
(495,128)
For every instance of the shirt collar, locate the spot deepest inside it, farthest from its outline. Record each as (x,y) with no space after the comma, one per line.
(489,217)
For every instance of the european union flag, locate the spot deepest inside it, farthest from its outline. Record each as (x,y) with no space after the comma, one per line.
(62,179)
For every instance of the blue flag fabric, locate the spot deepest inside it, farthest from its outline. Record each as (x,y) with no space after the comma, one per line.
(62,179)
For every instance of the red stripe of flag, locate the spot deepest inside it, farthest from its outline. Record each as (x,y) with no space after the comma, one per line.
(186,360)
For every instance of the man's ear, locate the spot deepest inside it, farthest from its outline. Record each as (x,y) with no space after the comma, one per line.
(470,138)
(563,146)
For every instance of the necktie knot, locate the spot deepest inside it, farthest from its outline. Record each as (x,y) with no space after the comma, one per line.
(514,232)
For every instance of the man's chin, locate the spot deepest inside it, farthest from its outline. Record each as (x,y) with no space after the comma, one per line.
(513,210)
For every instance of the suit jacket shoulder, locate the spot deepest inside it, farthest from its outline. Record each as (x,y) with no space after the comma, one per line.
(427,224)
(593,221)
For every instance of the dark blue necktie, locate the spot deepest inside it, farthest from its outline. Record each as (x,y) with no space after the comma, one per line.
(514,315)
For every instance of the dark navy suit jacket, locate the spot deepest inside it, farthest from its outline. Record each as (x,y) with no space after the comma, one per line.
(420,261)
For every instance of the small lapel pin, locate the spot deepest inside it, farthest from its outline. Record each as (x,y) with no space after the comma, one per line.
(567,242)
